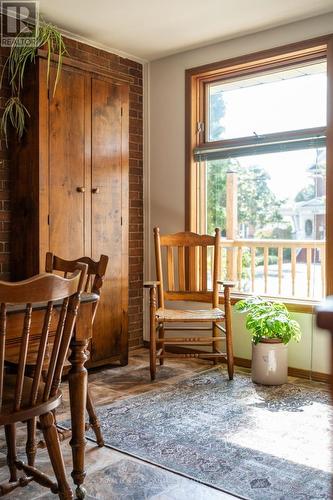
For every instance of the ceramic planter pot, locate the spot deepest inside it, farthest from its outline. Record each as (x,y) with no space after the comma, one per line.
(270,362)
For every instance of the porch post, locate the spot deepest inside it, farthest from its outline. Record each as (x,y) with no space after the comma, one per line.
(231,223)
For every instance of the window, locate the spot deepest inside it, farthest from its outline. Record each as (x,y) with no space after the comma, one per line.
(257,168)
(268,103)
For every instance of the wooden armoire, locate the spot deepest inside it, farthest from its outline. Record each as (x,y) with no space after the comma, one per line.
(70,186)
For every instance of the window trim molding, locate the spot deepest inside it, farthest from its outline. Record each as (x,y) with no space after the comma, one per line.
(284,56)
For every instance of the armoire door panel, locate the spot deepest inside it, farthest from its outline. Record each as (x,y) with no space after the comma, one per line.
(106,203)
(67,165)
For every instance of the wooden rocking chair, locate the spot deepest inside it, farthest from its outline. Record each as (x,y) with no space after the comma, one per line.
(197,285)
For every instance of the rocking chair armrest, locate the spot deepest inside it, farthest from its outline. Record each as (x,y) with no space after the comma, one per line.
(151,284)
(225,284)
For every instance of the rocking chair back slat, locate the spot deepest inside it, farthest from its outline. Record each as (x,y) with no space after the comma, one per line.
(204,269)
(198,254)
(181,269)
(171,274)
(192,269)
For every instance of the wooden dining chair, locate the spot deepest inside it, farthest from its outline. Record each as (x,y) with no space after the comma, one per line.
(55,301)
(191,263)
(94,281)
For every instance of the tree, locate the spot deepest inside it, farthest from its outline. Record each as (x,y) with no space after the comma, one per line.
(257,204)
(216,194)
(306,194)
(216,113)
(317,170)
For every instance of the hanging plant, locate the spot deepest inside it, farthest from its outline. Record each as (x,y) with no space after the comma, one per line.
(48,37)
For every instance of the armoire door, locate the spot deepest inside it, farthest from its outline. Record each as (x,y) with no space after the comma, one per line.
(67,165)
(107,146)
(73,198)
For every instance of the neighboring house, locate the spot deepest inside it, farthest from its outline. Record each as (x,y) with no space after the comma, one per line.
(308,217)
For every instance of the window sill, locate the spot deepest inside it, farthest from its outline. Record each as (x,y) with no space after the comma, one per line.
(293,305)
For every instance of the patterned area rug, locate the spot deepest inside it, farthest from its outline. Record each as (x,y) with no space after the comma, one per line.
(253,441)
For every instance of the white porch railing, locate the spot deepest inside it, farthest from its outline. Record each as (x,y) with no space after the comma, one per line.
(286,268)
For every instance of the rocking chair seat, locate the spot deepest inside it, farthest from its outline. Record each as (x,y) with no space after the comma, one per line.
(189,315)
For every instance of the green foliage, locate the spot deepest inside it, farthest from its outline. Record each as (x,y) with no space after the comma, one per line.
(216,195)
(309,192)
(14,113)
(257,204)
(216,112)
(19,57)
(269,320)
(258,260)
(306,194)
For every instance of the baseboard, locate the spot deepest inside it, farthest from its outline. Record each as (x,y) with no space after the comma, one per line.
(246,363)
(292,372)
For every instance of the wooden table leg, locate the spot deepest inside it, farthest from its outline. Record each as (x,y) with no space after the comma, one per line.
(77,379)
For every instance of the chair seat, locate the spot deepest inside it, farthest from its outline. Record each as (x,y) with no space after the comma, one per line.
(9,390)
(26,411)
(189,315)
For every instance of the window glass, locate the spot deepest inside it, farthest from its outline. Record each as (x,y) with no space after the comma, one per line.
(279,196)
(292,99)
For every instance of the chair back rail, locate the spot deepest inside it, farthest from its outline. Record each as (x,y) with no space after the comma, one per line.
(95,273)
(29,294)
(190,264)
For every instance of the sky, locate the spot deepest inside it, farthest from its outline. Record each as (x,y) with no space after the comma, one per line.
(290,104)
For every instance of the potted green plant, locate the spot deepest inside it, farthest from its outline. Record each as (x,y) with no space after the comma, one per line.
(271,329)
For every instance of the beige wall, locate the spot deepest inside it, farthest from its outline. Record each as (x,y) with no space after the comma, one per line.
(167,151)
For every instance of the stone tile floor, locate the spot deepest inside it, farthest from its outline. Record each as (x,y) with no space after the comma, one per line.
(111,474)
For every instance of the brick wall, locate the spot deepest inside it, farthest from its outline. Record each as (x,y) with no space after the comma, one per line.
(120,66)
(4,185)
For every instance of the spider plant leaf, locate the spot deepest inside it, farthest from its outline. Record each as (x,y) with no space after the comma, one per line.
(48,62)
(15,65)
(57,78)
(14,114)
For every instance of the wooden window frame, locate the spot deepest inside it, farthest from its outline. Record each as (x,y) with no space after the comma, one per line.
(195,102)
